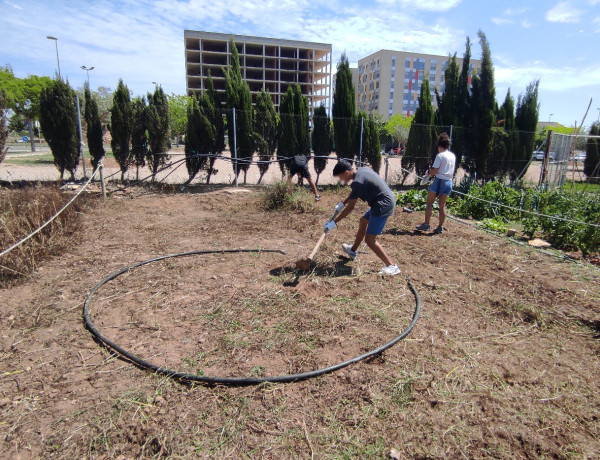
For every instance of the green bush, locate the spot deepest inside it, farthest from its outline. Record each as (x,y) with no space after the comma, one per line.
(282,197)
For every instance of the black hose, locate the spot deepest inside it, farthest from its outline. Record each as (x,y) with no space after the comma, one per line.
(231,380)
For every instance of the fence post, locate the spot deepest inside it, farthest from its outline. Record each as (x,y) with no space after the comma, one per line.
(546,158)
(361,141)
(80,135)
(102,180)
(235,165)
(451,129)
(387,163)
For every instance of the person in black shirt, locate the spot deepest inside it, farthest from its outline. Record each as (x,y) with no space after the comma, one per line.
(299,167)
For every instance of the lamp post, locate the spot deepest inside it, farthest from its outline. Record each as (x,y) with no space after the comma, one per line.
(598,114)
(87,69)
(50,37)
(551,115)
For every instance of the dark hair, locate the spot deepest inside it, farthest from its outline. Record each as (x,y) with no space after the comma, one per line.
(341,167)
(443,141)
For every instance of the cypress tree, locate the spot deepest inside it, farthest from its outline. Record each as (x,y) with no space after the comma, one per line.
(321,139)
(58,118)
(344,111)
(463,100)
(506,115)
(447,111)
(526,120)
(3,125)
(139,133)
(239,98)
(94,128)
(120,127)
(371,143)
(158,130)
(287,146)
(420,137)
(200,136)
(266,131)
(591,165)
(216,118)
(301,119)
(481,116)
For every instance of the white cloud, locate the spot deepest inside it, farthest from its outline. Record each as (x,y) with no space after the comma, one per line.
(428,5)
(551,78)
(564,12)
(517,11)
(526,24)
(502,21)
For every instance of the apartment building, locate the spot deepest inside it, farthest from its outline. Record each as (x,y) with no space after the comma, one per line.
(389,82)
(266,63)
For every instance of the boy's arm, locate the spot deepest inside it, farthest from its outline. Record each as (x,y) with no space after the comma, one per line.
(350,203)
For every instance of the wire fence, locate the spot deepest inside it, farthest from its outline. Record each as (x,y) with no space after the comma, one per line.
(230,147)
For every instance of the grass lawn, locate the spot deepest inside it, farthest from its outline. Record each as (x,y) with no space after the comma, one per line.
(580,186)
(29,159)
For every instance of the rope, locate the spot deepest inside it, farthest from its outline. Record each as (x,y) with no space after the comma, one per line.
(232,380)
(39,229)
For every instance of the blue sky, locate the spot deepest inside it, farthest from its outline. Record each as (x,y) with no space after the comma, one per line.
(142,41)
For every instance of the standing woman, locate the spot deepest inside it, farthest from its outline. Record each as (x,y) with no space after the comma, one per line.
(441,187)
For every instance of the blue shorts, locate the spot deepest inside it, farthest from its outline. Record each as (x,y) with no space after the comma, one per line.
(441,187)
(376,223)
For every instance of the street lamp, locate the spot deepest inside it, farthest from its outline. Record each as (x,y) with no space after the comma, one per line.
(50,37)
(87,69)
(551,115)
(598,114)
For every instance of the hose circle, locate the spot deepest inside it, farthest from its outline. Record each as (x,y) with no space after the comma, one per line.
(230,380)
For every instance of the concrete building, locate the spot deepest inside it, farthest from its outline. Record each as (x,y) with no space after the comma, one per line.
(389,82)
(267,63)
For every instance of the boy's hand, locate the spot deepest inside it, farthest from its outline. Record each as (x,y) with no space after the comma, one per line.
(339,206)
(329,226)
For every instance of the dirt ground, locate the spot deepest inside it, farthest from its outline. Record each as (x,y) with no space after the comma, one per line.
(503,362)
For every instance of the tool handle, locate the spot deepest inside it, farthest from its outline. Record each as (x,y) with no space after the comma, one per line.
(317,246)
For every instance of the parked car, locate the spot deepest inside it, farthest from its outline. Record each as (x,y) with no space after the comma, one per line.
(396,151)
(580,156)
(540,154)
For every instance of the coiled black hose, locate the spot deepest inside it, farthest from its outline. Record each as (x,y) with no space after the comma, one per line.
(231,380)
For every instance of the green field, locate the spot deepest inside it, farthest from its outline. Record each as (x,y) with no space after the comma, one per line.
(33,159)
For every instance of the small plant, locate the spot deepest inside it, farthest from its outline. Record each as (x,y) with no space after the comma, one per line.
(496,225)
(282,197)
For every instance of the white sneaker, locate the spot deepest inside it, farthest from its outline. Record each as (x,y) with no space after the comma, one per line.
(348,248)
(390,270)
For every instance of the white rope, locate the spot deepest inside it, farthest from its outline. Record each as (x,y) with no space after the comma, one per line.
(516,209)
(39,229)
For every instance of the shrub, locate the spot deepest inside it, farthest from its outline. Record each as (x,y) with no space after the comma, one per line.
(280,197)
(23,211)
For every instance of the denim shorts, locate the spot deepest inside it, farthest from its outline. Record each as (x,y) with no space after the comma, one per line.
(376,223)
(441,187)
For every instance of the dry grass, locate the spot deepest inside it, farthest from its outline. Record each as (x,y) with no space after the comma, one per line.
(23,211)
(280,197)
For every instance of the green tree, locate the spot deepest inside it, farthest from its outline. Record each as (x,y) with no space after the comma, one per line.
(158,130)
(178,105)
(446,113)
(398,127)
(240,100)
(94,128)
(321,139)
(120,127)
(344,111)
(591,165)
(58,118)
(371,146)
(216,118)
(3,125)
(287,146)
(506,118)
(139,133)
(200,136)
(481,116)
(526,120)
(301,119)
(463,101)
(266,126)
(420,138)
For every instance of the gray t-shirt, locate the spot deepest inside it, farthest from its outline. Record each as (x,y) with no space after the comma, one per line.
(371,188)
